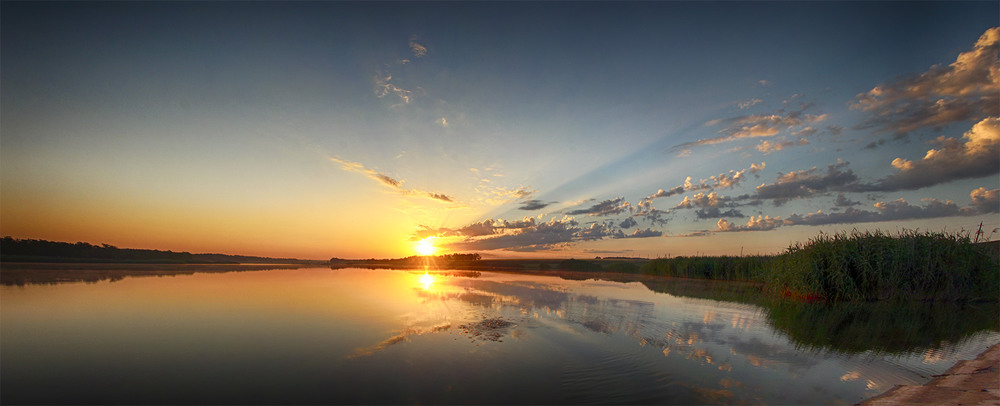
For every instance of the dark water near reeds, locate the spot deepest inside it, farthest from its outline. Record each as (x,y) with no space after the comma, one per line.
(300,336)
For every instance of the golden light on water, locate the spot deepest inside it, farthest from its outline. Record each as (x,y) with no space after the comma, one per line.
(425,246)
(427,280)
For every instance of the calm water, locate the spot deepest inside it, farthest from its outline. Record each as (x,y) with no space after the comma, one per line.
(300,336)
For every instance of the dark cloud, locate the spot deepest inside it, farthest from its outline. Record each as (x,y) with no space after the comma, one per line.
(441,197)
(605,208)
(628,223)
(802,184)
(534,204)
(654,216)
(884,211)
(598,231)
(647,233)
(534,237)
(985,201)
(388,181)
(843,201)
(715,212)
(968,89)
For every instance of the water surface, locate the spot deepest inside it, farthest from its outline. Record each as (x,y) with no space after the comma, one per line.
(300,336)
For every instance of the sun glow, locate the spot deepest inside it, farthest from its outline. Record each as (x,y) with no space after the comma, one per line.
(427,281)
(425,246)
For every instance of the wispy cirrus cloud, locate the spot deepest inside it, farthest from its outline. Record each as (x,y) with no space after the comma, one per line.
(967,89)
(748,103)
(755,126)
(419,51)
(390,182)
(384,80)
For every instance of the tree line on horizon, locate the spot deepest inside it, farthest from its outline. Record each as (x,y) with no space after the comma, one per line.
(31,250)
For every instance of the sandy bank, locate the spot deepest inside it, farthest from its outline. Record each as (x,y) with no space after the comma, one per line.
(972,382)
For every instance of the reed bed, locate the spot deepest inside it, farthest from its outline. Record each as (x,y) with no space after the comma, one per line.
(859,266)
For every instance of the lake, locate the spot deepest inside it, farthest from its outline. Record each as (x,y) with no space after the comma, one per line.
(317,335)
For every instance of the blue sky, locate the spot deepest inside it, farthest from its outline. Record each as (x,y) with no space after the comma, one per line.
(320,129)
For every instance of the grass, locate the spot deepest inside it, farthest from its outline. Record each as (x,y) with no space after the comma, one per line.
(860,266)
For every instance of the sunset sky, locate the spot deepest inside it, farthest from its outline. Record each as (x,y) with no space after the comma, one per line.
(555,129)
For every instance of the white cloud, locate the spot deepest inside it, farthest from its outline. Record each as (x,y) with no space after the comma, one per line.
(967,89)
(977,154)
(760,223)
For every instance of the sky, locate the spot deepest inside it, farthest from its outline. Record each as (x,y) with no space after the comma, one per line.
(512,129)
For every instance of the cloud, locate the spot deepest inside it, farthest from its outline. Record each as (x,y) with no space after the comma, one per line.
(534,204)
(390,182)
(747,104)
(534,236)
(528,235)
(384,85)
(976,155)
(755,126)
(715,212)
(383,88)
(647,233)
(898,209)
(646,204)
(605,208)
(766,147)
(985,201)
(731,179)
(760,223)
(497,195)
(654,216)
(843,201)
(967,89)
(703,200)
(418,50)
(628,223)
(806,183)
(597,231)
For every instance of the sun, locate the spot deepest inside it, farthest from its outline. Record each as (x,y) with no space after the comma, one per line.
(425,246)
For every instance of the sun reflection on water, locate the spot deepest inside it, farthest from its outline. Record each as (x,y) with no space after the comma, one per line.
(427,280)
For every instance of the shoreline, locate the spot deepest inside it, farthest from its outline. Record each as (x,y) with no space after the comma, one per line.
(968,382)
